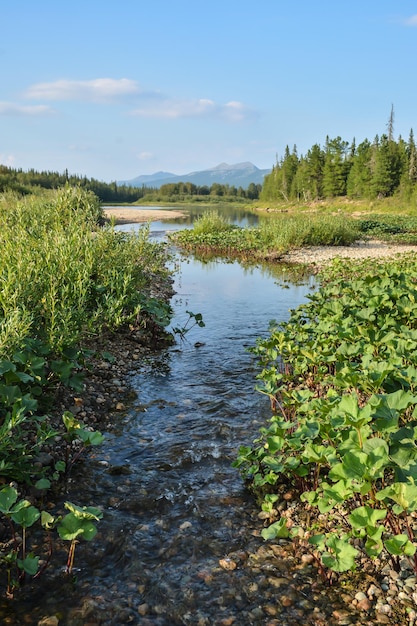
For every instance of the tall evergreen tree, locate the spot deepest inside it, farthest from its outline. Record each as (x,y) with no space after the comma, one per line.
(335,167)
(360,174)
(314,170)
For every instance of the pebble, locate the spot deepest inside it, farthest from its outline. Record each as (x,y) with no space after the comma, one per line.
(227,564)
(49,621)
(143,609)
(364,605)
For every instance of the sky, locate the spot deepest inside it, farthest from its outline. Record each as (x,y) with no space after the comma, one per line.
(116,89)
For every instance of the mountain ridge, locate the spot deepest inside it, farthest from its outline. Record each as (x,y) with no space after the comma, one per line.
(238,175)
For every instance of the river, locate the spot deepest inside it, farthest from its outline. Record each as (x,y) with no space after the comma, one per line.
(178,521)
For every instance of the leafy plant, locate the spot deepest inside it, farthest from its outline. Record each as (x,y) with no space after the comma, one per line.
(21,514)
(78,523)
(342,382)
(194,319)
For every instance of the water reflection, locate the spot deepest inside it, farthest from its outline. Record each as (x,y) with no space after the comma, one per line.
(234,215)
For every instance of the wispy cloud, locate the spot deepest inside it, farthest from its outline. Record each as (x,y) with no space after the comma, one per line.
(97,90)
(411,21)
(145,156)
(8,108)
(200,108)
(7,159)
(150,104)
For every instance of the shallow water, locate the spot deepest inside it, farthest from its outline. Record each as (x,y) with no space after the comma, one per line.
(173,505)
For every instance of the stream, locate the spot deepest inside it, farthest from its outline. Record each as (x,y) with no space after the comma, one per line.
(178,523)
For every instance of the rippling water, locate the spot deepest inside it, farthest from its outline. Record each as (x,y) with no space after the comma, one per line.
(175,506)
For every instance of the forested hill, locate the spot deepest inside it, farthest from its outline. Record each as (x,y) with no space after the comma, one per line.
(377,169)
(25,182)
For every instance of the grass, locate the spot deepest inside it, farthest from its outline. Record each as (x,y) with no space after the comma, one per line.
(271,239)
(63,277)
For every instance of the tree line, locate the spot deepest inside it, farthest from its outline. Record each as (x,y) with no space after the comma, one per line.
(183,191)
(25,182)
(370,170)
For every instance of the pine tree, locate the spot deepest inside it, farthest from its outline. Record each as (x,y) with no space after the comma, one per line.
(335,167)
(360,174)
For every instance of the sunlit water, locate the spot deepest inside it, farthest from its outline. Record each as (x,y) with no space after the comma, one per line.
(177,506)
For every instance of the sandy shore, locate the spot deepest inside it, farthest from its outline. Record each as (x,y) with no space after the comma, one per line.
(135,215)
(320,255)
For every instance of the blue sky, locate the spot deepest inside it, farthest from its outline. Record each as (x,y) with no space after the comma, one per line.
(115,89)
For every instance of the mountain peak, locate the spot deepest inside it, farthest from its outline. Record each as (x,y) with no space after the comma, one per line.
(237,175)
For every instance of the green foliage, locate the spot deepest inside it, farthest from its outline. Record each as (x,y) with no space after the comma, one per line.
(379,169)
(342,382)
(194,319)
(79,523)
(273,237)
(32,182)
(60,283)
(62,279)
(394,228)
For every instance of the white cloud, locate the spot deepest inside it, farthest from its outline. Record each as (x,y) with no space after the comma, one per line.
(151,104)
(99,89)
(201,108)
(145,156)
(236,111)
(411,21)
(7,159)
(9,108)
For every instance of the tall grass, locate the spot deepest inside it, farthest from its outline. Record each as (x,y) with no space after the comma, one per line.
(274,236)
(61,276)
(294,231)
(211,221)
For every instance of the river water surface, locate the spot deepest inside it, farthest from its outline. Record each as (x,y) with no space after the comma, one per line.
(175,511)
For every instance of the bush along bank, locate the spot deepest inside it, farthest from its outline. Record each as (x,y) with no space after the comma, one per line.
(274,236)
(341,444)
(71,291)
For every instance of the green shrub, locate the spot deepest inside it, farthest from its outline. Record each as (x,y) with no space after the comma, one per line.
(342,379)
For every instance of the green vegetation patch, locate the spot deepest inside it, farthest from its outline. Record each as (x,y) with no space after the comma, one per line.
(342,380)
(272,238)
(63,279)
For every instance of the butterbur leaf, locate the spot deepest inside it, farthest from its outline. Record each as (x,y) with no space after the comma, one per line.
(90,438)
(70,422)
(72,527)
(43,483)
(85,512)
(365,516)
(400,545)
(353,466)
(277,529)
(319,541)
(30,564)
(403,494)
(26,516)
(47,520)
(342,556)
(373,544)
(354,414)
(8,496)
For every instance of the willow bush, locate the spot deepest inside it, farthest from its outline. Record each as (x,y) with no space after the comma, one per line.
(61,275)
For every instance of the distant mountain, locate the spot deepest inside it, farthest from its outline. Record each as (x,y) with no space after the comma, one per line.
(239,175)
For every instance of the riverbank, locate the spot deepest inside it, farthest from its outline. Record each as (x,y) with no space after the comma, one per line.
(317,256)
(139,215)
